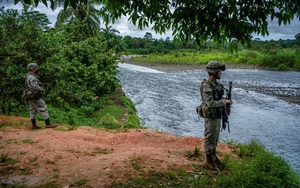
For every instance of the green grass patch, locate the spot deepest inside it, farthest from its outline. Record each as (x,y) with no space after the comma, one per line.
(279,59)
(257,167)
(29,141)
(112,111)
(4,159)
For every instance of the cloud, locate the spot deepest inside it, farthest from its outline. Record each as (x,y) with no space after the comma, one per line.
(126,27)
(277,32)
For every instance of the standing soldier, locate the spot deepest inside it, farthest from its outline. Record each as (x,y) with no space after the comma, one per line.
(35,97)
(211,96)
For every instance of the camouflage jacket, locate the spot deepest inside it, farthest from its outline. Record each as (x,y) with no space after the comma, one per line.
(211,95)
(33,84)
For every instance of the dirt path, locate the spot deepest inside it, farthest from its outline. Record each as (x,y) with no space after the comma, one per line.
(93,156)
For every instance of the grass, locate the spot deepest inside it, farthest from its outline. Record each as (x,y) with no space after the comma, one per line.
(281,59)
(137,162)
(114,111)
(94,152)
(257,167)
(29,141)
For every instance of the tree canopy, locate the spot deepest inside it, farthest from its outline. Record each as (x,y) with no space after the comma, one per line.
(218,20)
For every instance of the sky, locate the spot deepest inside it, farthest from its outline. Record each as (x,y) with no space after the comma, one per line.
(125,27)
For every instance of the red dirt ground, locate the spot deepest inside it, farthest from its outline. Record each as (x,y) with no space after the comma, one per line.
(97,156)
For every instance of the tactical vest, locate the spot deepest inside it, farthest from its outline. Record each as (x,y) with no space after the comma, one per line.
(211,112)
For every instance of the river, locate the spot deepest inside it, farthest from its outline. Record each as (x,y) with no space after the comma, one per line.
(166,101)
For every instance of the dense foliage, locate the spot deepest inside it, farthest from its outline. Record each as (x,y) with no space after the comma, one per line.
(148,45)
(21,41)
(75,71)
(281,54)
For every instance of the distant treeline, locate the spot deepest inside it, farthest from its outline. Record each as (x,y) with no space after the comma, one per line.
(148,45)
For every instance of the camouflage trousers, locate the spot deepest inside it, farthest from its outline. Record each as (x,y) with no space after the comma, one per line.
(38,106)
(211,135)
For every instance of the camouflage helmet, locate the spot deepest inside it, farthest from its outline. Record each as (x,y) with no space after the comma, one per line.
(215,66)
(31,66)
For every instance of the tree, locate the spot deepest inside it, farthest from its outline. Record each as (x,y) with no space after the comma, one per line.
(20,41)
(30,15)
(109,32)
(201,20)
(110,37)
(85,15)
(148,36)
(219,20)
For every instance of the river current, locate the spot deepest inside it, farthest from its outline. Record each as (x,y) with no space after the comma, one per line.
(167,102)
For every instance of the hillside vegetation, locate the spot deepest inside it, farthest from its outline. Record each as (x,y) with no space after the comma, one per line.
(281,59)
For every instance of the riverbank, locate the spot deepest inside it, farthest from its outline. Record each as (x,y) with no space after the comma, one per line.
(90,157)
(178,68)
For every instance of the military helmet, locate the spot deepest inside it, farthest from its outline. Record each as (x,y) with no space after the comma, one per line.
(31,66)
(215,66)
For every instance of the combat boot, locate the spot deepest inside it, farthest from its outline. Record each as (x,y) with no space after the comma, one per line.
(49,125)
(217,161)
(34,125)
(210,163)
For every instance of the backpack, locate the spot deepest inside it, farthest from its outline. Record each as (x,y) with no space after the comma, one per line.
(202,110)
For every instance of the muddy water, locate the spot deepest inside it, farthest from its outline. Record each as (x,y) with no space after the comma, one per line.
(167,102)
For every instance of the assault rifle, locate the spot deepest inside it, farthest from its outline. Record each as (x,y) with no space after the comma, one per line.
(226,111)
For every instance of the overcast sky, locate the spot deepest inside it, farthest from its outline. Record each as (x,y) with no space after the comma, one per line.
(125,27)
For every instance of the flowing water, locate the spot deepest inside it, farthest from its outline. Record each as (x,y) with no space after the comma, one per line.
(167,102)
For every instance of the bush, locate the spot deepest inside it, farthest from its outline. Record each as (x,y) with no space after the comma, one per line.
(274,61)
(128,103)
(297,59)
(80,72)
(282,67)
(132,122)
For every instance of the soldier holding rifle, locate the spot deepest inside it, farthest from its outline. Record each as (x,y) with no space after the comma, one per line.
(213,106)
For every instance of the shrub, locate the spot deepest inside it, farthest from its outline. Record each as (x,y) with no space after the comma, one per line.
(274,61)
(79,72)
(128,103)
(132,122)
(282,67)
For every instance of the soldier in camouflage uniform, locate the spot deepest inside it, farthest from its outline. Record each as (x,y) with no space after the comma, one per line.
(37,103)
(211,95)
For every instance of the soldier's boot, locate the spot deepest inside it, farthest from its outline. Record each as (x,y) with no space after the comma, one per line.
(210,163)
(217,161)
(34,125)
(49,125)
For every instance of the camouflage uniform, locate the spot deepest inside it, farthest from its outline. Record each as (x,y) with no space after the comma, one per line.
(38,104)
(36,101)
(212,106)
(212,125)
